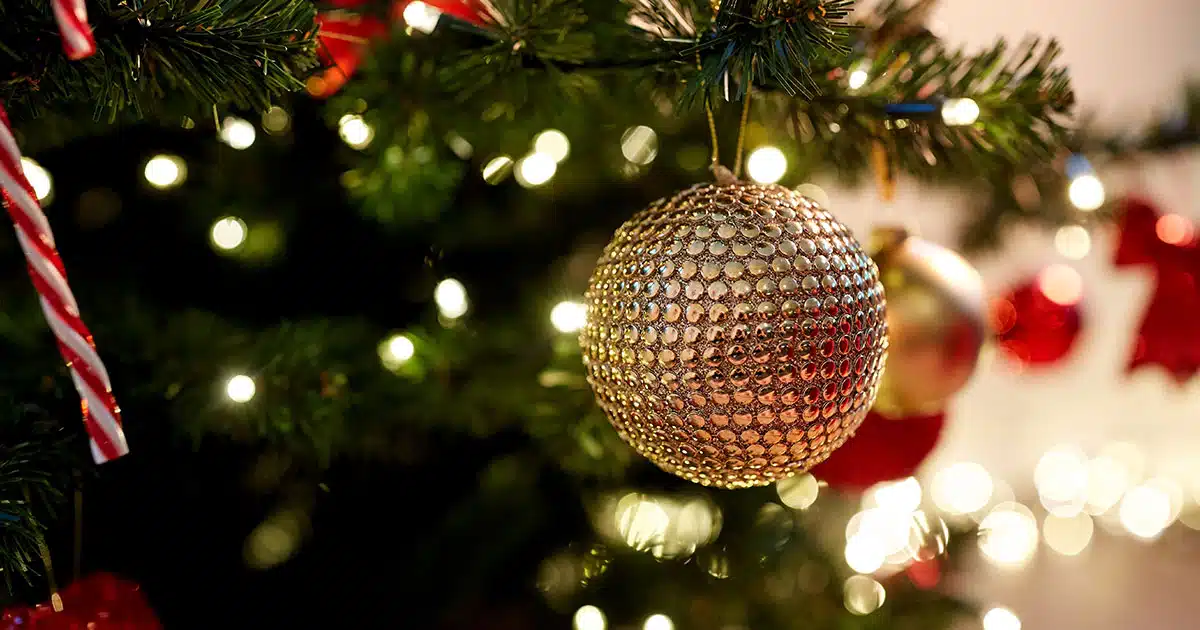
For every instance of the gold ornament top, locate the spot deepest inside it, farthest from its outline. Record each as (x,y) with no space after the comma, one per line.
(735,333)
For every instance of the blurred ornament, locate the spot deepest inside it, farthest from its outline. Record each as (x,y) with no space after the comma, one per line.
(883,449)
(937,318)
(735,333)
(1170,332)
(98,602)
(1038,322)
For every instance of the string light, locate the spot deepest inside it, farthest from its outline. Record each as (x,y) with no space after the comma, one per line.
(554,143)
(568,316)
(535,169)
(658,622)
(639,145)
(497,169)
(1086,192)
(1068,535)
(237,133)
(240,388)
(1146,511)
(165,171)
(228,233)
(957,112)
(421,16)
(590,618)
(355,131)
(1073,241)
(865,554)
(396,351)
(1001,618)
(451,298)
(1008,535)
(962,488)
(766,165)
(39,178)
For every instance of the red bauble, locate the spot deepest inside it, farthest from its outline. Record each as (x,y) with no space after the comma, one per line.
(1039,322)
(1170,332)
(883,449)
(98,602)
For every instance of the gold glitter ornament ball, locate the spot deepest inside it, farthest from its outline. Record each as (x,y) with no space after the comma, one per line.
(735,334)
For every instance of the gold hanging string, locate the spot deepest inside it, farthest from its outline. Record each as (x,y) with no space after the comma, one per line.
(741,140)
(885,173)
(712,123)
(44,550)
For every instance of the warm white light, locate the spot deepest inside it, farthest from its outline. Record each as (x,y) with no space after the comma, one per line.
(799,492)
(276,120)
(658,622)
(554,143)
(1068,535)
(568,317)
(865,553)
(1001,619)
(1108,479)
(959,111)
(1061,284)
(228,233)
(1146,510)
(237,133)
(962,488)
(1008,535)
(814,192)
(240,388)
(398,349)
(451,298)
(535,169)
(858,78)
(165,171)
(896,496)
(766,165)
(863,595)
(497,169)
(639,145)
(355,131)
(1073,241)
(38,177)
(590,618)
(1061,478)
(421,16)
(1086,192)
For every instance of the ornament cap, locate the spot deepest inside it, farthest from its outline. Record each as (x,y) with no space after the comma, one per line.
(887,238)
(724,176)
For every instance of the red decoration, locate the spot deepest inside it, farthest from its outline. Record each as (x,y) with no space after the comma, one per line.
(925,574)
(883,449)
(1170,332)
(1039,322)
(98,602)
(345,34)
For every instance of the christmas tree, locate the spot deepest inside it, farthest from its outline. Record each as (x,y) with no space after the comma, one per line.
(334,260)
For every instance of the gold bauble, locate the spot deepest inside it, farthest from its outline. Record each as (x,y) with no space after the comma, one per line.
(735,333)
(937,322)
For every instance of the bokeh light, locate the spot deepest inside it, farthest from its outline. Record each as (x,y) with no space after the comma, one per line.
(568,316)
(497,169)
(1061,479)
(355,131)
(165,171)
(658,622)
(814,192)
(959,111)
(798,492)
(396,351)
(863,595)
(1086,192)
(766,165)
(237,133)
(1061,284)
(1146,511)
(639,145)
(1108,479)
(1008,535)
(554,143)
(1073,241)
(1001,618)
(39,178)
(865,554)
(1068,535)
(228,233)
(421,16)
(276,120)
(590,618)
(898,496)
(1175,229)
(451,298)
(535,169)
(962,488)
(857,79)
(240,388)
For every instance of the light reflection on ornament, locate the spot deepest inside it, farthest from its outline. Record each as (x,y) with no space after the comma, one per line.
(1008,535)
(962,488)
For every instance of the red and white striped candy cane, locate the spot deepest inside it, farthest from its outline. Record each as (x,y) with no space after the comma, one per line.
(101,416)
(77,39)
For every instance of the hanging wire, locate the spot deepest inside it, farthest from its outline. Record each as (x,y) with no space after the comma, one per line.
(741,139)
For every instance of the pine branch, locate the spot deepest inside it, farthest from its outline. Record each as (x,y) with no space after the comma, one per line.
(241,52)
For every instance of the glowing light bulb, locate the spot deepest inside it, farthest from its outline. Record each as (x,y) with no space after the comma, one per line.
(766,165)
(355,131)
(962,488)
(396,350)
(1146,511)
(165,171)
(658,622)
(1073,241)
(1000,618)
(639,145)
(237,133)
(39,178)
(535,169)
(451,298)
(497,169)
(1086,192)
(590,618)
(1008,535)
(421,16)
(554,143)
(858,78)
(240,388)
(960,111)
(1061,284)
(568,317)
(228,233)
